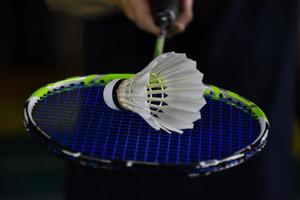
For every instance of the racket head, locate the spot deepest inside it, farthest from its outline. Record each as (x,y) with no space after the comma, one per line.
(71,119)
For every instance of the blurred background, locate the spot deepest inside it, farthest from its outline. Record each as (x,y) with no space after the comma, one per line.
(38,47)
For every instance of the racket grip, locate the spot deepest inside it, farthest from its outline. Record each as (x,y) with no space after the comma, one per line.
(165,12)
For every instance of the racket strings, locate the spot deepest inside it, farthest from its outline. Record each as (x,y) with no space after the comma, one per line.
(87,125)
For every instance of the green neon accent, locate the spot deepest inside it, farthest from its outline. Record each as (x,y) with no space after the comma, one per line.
(159,45)
(43,90)
(89,78)
(71,79)
(254,108)
(241,99)
(259,113)
(40,92)
(214,92)
(108,77)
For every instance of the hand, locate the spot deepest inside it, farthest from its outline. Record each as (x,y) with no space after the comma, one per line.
(185,17)
(139,11)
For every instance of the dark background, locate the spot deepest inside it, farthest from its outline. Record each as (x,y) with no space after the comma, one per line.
(38,47)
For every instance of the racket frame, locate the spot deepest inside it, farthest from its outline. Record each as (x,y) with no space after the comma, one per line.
(193,169)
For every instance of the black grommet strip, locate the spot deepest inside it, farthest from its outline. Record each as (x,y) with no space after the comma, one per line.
(114,94)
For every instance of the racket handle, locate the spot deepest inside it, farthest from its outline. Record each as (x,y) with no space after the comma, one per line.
(165,12)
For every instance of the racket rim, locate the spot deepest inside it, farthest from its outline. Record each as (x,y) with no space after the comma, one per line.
(193,168)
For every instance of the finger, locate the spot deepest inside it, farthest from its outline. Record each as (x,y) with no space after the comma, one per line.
(185,16)
(144,19)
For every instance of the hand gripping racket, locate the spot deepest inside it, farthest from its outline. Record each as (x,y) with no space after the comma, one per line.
(72,120)
(164,13)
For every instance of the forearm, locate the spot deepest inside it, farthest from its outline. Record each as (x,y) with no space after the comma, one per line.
(82,8)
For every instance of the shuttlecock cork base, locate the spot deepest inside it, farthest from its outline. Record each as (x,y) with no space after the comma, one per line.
(167,94)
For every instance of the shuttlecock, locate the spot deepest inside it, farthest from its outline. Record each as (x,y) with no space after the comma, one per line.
(167,94)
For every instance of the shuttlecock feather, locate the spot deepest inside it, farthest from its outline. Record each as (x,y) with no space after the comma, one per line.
(167,94)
